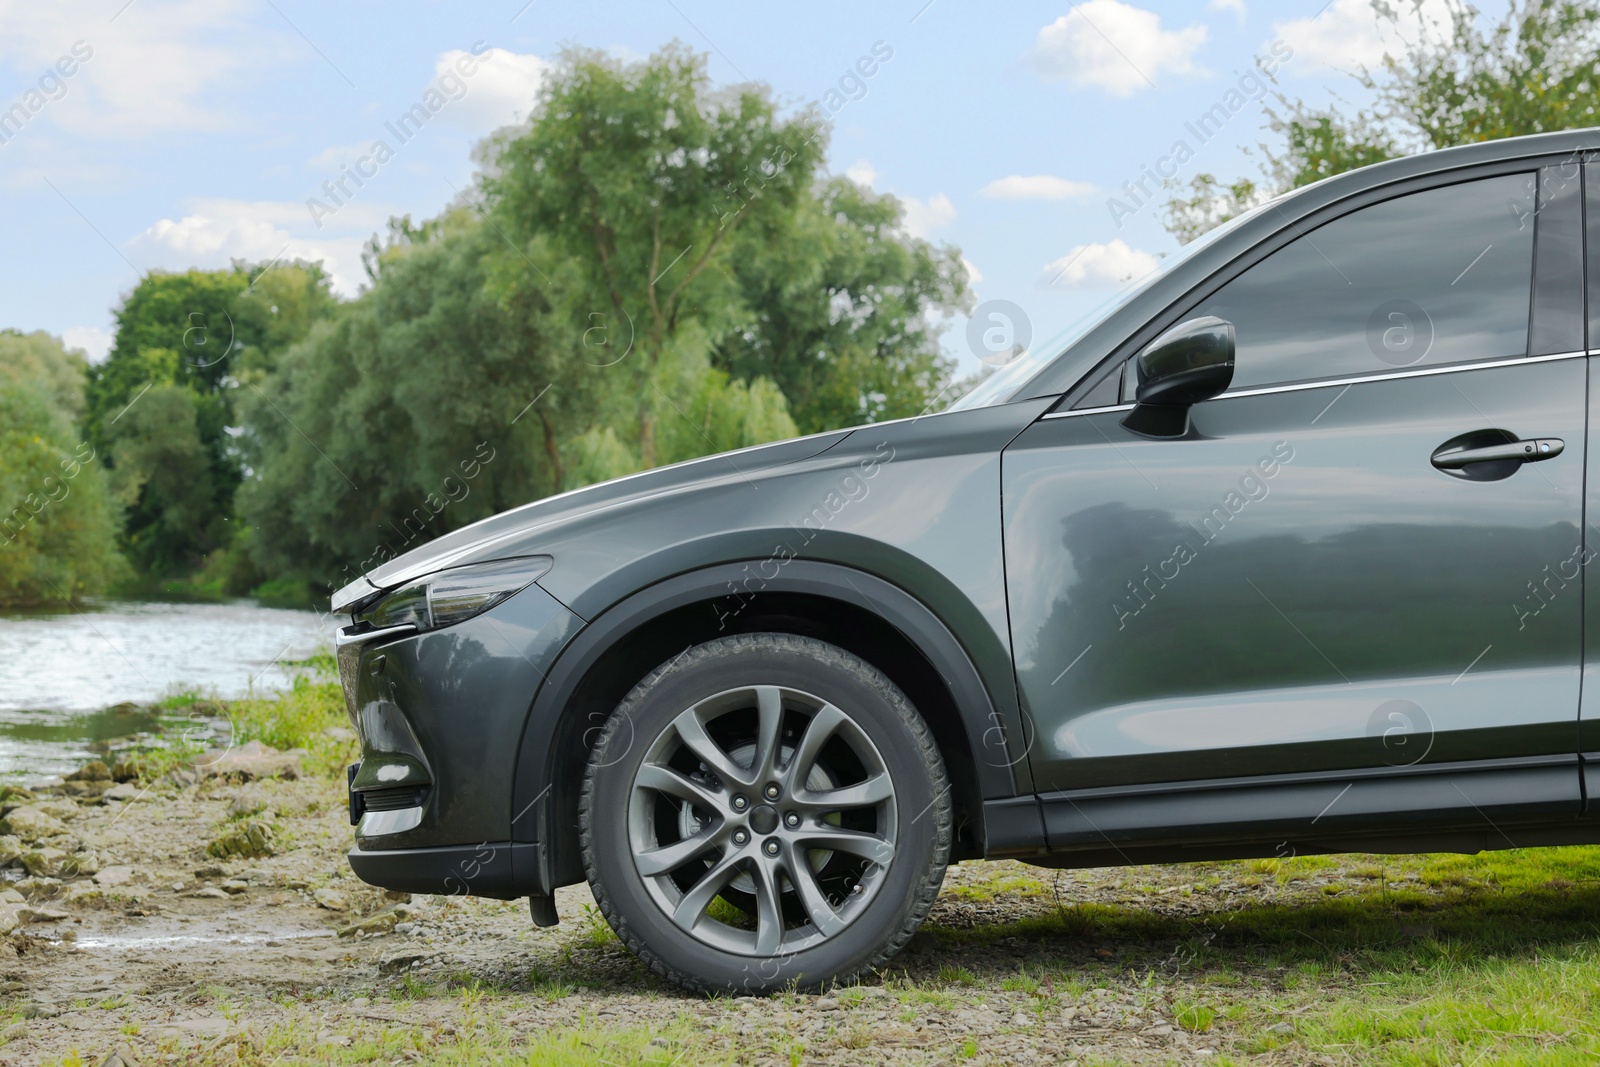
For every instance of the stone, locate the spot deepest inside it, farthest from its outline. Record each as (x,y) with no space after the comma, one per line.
(60,809)
(245,804)
(121,1056)
(331,898)
(10,850)
(381,923)
(234,886)
(210,892)
(10,918)
(129,770)
(123,791)
(11,896)
(30,914)
(402,962)
(31,824)
(251,839)
(248,761)
(80,864)
(82,789)
(45,862)
(93,771)
(114,876)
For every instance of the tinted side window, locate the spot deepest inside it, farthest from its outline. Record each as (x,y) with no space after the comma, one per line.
(1441,276)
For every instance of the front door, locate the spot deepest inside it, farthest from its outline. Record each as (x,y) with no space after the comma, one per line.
(1304,583)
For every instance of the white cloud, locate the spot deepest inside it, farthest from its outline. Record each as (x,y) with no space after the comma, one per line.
(862,173)
(1236,6)
(974,275)
(922,217)
(95,342)
(1348,34)
(1093,265)
(220,231)
(499,92)
(1037,187)
(157,67)
(1114,46)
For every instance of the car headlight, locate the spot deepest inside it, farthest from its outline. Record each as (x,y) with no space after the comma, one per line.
(455,595)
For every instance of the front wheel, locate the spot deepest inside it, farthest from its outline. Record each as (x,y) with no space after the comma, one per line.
(765,810)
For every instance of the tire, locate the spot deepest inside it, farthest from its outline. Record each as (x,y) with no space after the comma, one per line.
(822,882)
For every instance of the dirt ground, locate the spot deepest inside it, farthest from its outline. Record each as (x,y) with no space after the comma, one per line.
(169,954)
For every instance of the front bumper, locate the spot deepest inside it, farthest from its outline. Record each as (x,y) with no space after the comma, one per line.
(440,716)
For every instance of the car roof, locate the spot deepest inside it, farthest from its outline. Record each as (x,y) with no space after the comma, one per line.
(1140,313)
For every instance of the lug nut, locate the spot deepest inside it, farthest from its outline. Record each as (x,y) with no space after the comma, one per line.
(740,837)
(772,848)
(773,792)
(792,820)
(740,803)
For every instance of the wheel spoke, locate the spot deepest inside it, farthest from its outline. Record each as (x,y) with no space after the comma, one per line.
(867,846)
(677,784)
(769,913)
(821,727)
(812,898)
(693,733)
(699,897)
(670,857)
(874,790)
(769,722)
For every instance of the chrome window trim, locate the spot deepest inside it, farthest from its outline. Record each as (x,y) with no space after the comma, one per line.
(1298,387)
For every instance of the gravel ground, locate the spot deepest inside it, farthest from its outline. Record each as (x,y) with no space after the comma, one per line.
(175,956)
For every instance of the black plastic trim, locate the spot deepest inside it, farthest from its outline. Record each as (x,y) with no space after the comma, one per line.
(485,870)
(1468,796)
(1000,772)
(1557,323)
(1012,827)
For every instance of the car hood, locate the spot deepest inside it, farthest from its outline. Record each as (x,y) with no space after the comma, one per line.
(490,538)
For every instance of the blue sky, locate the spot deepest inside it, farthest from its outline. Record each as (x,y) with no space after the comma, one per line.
(178,133)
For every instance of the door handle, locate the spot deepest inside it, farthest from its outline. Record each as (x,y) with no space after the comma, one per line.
(1454,458)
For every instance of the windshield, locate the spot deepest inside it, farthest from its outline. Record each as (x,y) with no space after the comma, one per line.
(1001,385)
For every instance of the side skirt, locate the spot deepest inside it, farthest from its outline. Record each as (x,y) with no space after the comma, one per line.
(1447,807)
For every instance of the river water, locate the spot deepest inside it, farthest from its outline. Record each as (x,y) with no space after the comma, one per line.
(62,671)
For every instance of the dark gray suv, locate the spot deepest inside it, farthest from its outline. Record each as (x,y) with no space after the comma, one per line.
(1285,552)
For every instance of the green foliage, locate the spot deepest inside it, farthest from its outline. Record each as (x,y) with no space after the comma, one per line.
(834,311)
(161,408)
(57,521)
(656,272)
(1464,79)
(310,714)
(406,413)
(648,182)
(651,270)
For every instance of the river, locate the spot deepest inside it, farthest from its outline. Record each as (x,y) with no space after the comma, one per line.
(62,671)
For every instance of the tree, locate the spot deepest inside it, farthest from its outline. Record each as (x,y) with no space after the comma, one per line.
(643,178)
(835,311)
(649,271)
(1460,81)
(424,405)
(163,402)
(57,521)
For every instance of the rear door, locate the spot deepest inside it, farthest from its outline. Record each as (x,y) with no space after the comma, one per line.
(1297,587)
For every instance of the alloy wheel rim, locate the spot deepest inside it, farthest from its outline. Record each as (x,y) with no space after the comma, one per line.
(740,769)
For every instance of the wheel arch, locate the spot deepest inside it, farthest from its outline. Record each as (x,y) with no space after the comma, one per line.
(867,615)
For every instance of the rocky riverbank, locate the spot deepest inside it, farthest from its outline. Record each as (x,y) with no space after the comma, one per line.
(204,913)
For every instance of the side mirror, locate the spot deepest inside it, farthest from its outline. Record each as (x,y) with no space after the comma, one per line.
(1189,363)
